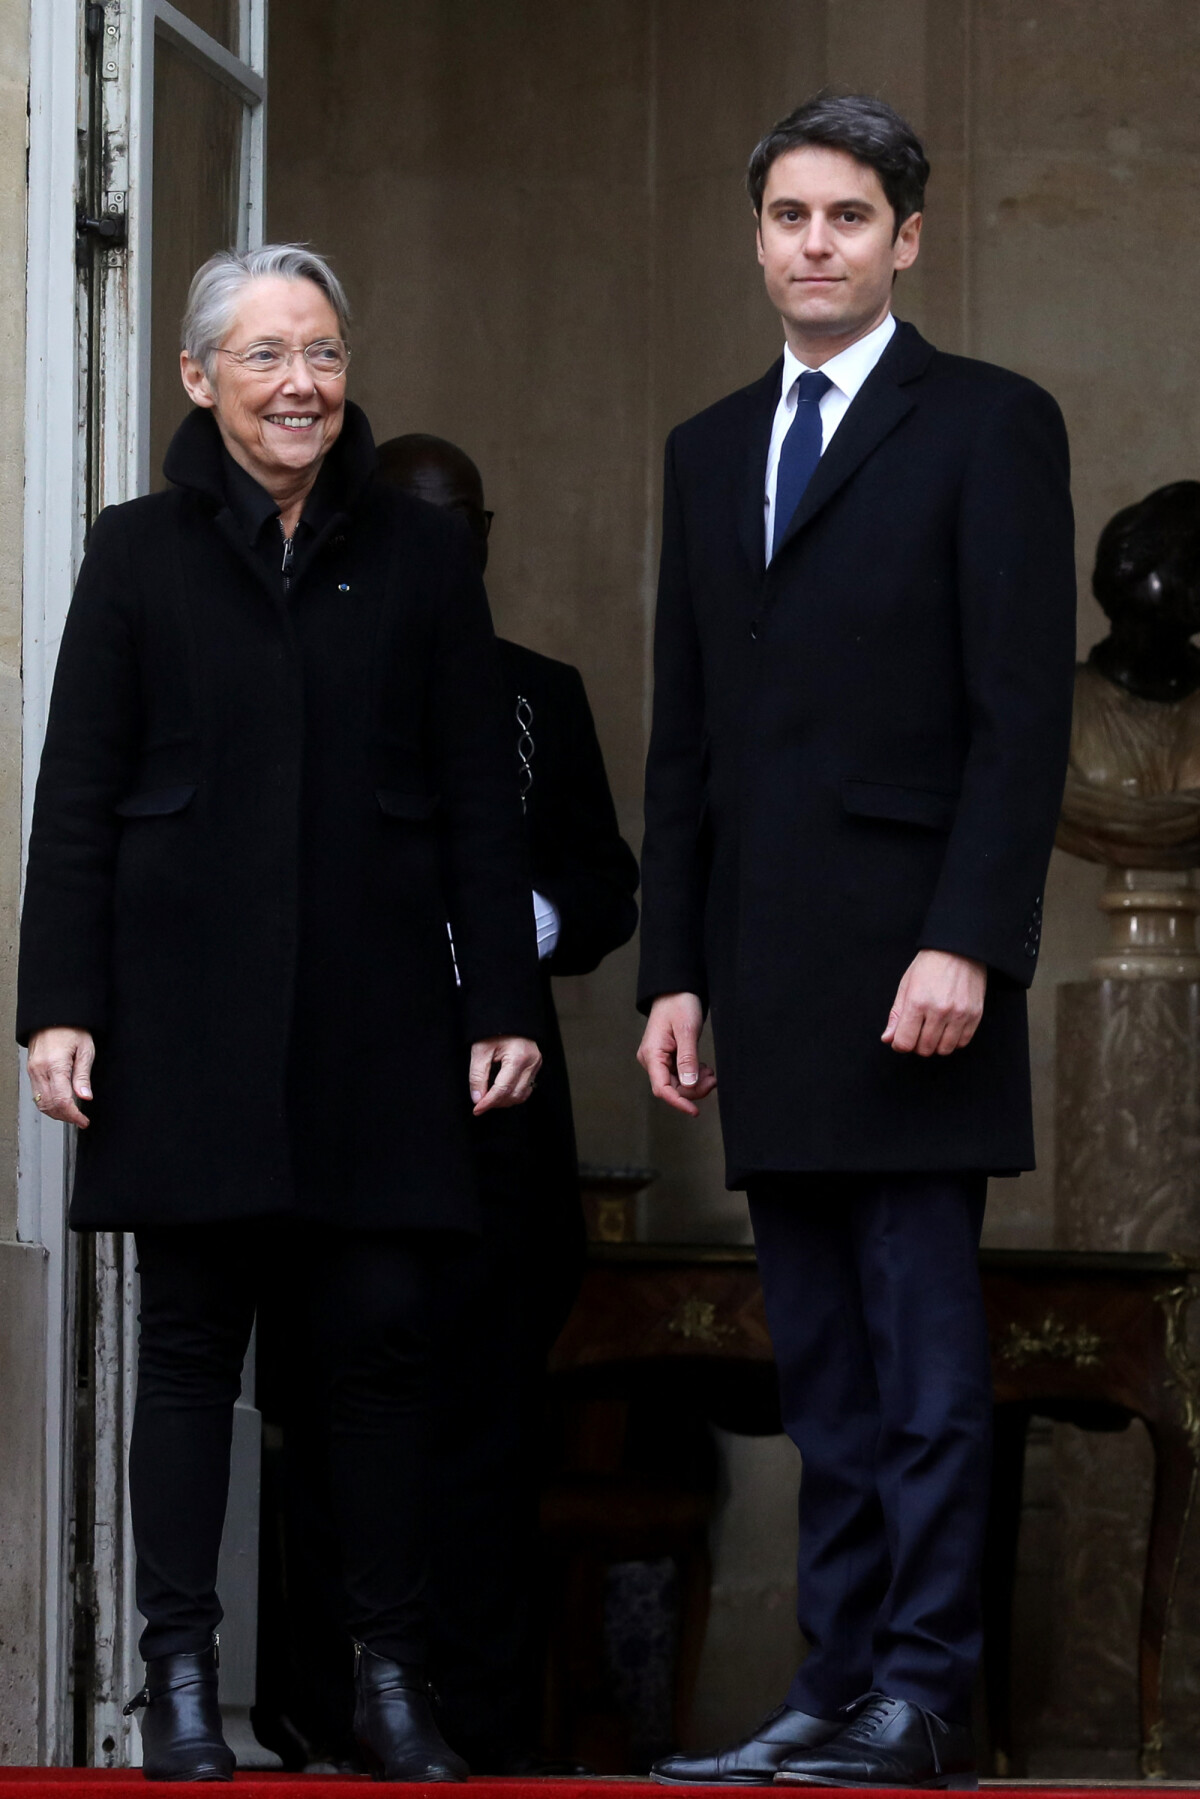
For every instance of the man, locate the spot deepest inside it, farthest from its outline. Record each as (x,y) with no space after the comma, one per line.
(863,664)
(585,877)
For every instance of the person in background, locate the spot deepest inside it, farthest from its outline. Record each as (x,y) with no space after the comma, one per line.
(584,879)
(277,762)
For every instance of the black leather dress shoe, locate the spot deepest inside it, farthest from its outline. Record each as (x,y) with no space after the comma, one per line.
(394,1723)
(755,1760)
(181,1729)
(888,1743)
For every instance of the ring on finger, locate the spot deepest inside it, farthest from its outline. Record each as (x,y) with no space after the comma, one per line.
(39,1099)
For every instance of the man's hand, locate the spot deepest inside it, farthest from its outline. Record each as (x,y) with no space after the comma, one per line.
(938,1004)
(517,1061)
(60,1072)
(670,1052)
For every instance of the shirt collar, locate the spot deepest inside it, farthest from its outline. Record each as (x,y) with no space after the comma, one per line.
(850,367)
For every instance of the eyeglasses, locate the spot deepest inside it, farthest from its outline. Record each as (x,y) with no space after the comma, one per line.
(476,518)
(327,358)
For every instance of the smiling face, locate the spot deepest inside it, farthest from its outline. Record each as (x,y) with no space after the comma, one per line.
(827,250)
(278,428)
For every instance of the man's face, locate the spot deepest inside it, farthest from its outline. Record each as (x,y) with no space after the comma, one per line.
(456,490)
(826,248)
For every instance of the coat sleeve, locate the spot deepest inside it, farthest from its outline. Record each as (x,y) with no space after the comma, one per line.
(87,765)
(580,860)
(674,862)
(486,859)
(1017,613)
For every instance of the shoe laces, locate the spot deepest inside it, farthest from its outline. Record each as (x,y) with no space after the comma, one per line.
(874,1709)
(866,1714)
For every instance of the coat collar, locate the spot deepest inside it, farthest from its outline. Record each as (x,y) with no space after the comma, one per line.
(763,399)
(878,407)
(195,459)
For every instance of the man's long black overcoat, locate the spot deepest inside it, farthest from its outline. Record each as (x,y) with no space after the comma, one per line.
(578,860)
(255,815)
(859,753)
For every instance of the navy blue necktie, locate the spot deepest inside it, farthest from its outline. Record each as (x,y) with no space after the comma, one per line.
(801,452)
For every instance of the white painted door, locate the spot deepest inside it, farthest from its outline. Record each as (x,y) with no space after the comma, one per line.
(147,138)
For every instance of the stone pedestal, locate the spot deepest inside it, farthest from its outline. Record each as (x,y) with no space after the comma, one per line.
(1152,925)
(1128,1115)
(1127,1178)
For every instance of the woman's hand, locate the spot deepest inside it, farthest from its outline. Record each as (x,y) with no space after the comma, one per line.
(60,1072)
(517,1061)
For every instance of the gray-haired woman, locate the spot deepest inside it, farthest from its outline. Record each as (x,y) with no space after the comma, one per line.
(277,764)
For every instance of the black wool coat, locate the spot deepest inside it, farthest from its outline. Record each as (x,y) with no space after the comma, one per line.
(580,862)
(858,753)
(257,812)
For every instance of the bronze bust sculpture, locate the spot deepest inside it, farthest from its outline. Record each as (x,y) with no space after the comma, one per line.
(1132,796)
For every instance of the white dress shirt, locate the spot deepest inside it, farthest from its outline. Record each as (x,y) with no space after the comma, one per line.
(847,371)
(549,924)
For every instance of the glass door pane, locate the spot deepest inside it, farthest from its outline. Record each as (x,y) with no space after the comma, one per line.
(218,17)
(198,148)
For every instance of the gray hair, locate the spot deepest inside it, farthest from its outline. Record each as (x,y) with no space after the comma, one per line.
(218,283)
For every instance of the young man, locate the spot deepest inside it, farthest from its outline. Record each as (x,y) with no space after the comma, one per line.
(863,669)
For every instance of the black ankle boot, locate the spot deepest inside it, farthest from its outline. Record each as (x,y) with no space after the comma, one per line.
(181,1731)
(393,1722)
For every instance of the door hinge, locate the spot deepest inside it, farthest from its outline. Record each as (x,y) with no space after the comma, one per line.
(102,29)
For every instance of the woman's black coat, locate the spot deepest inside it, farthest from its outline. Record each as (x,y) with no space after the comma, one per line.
(256,814)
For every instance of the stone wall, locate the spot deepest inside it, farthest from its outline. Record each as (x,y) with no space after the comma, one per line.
(22,1498)
(14,88)
(22,1268)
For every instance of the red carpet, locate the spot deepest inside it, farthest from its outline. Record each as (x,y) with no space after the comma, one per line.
(103,1783)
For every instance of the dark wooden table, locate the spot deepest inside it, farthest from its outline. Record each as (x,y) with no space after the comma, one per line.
(1090,1339)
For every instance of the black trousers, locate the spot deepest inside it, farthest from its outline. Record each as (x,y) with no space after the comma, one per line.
(362,1316)
(489,1432)
(876,1315)
(516,1284)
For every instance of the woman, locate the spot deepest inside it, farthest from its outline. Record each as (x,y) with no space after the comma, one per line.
(277,765)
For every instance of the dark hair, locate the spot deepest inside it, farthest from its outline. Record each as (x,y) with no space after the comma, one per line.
(865,128)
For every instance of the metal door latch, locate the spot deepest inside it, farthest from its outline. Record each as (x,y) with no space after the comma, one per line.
(109,233)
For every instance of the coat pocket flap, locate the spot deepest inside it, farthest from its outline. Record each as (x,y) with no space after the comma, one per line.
(156,802)
(415,806)
(929,806)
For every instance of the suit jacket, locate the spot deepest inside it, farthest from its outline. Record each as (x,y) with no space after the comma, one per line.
(580,861)
(858,753)
(255,814)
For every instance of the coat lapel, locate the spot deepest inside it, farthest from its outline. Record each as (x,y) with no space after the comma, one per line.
(878,407)
(763,398)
